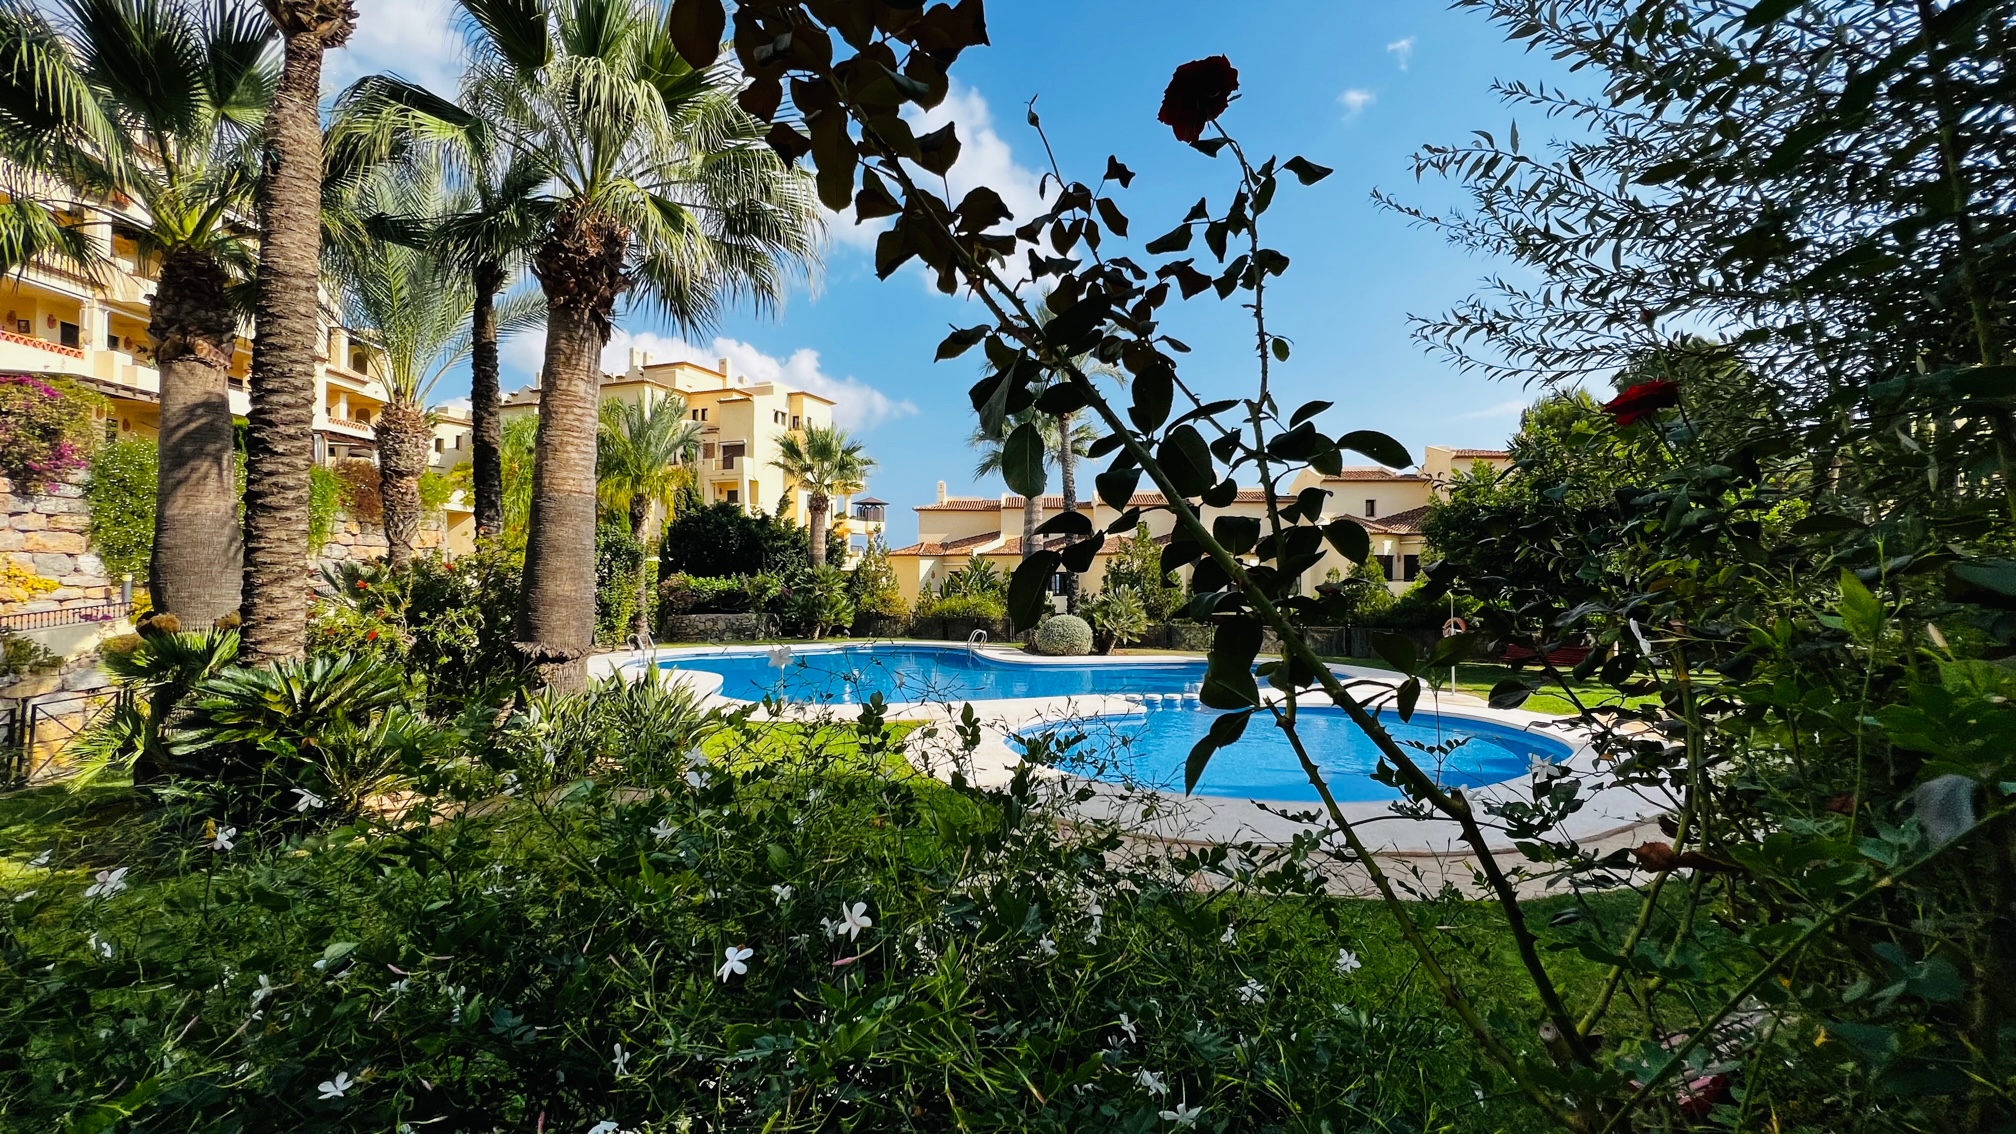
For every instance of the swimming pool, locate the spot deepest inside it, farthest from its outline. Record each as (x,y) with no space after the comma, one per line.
(908,673)
(1148,749)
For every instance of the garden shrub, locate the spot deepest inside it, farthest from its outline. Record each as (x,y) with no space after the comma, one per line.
(817,602)
(47,430)
(618,560)
(699,594)
(1117,615)
(723,539)
(325,494)
(874,587)
(732,927)
(120,494)
(450,620)
(1137,563)
(1063,635)
(978,608)
(357,490)
(19,584)
(19,655)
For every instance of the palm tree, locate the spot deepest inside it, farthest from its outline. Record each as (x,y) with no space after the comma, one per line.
(419,306)
(826,463)
(280,439)
(643,458)
(1065,443)
(659,186)
(991,449)
(160,104)
(495,219)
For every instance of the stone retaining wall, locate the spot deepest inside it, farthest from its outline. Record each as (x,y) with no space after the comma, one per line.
(717,627)
(354,539)
(46,533)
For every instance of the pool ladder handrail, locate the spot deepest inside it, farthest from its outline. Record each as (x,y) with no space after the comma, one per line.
(643,643)
(975,639)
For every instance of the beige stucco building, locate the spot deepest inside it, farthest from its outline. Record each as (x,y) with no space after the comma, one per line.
(56,322)
(740,423)
(1389,504)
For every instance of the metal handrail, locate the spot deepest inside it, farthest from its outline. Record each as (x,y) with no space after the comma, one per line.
(66,616)
(975,639)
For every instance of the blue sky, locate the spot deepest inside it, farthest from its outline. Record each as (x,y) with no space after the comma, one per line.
(1352,85)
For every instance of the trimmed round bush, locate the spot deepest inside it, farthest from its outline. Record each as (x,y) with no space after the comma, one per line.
(1064,635)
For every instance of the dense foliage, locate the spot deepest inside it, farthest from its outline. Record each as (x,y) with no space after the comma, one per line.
(47,429)
(873,586)
(723,539)
(1063,635)
(120,494)
(1137,563)
(619,558)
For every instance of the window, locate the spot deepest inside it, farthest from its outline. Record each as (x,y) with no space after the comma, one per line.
(733,496)
(1410,566)
(730,452)
(1371,507)
(70,335)
(707,450)
(437,444)
(111,340)
(777,417)
(797,422)
(1385,566)
(358,361)
(699,415)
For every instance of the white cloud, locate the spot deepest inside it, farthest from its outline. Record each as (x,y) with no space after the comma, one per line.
(856,404)
(1502,409)
(414,39)
(1354,101)
(985,158)
(1402,51)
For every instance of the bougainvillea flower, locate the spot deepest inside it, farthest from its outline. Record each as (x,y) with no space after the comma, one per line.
(1642,401)
(1197,94)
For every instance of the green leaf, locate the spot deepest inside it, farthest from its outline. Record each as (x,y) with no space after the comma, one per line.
(1228,671)
(1029,589)
(1067,523)
(1510,693)
(1307,411)
(1186,459)
(959,342)
(1398,650)
(1175,240)
(1116,486)
(1351,541)
(938,149)
(696,28)
(1022,460)
(1306,171)
(1224,731)
(1377,446)
(1406,697)
(1767,12)
(1237,534)
(1986,582)
(1280,349)
(1861,611)
(1154,392)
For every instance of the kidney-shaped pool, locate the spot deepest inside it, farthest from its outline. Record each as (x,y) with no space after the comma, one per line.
(907,673)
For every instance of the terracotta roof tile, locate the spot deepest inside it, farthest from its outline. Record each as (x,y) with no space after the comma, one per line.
(1483,454)
(1373,472)
(1399,523)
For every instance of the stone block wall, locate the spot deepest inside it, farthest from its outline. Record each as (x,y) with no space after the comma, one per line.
(354,539)
(46,533)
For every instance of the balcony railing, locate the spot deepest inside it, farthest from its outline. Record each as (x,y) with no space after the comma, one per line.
(352,426)
(41,344)
(66,616)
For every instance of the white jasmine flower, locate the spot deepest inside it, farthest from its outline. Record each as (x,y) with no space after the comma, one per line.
(695,758)
(1151,1082)
(780,656)
(1348,962)
(783,892)
(1228,937)
(221,840)
(109,882)
(309,801)
(853,919)
(664,830)
(1184,1116)
(334,1088)
(42,859)
(1251,992)
(25,895)
(266,988)
(696,778)
(101,947)
(1046,946)
(1127,1026)
(737,962)
(603,1127)
(1098,923)
(622,1060)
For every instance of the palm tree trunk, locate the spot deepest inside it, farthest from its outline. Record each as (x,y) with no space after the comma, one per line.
(1067,470)
(640,526)
(485,403)
(280,441)
(815,510)
(403,434)
(1032,507)
(197,563)
(580,267)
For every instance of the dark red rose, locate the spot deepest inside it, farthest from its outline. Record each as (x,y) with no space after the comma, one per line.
(1642,401)
(1198,93)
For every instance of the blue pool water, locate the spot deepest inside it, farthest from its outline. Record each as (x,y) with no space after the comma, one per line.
(1149,749)
(928,673)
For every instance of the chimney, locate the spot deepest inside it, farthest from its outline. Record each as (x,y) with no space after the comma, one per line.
(941,492)
(721,364)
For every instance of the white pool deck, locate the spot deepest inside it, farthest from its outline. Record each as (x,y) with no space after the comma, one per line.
(1429,851)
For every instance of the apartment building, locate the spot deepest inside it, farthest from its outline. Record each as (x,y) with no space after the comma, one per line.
(1390,504)
(57,322)
(740,423)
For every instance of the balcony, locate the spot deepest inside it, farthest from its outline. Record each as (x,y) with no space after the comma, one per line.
(357,429)
(31,342)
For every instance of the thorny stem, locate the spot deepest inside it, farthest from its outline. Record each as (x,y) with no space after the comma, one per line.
(986,284)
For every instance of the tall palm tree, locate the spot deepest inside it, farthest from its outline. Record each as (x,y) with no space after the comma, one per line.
(659,186)
(160,104)
(643,458)
(1064,443)
(280,440)
(825,463)
(1047,427)
(418,305)
(495,219)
